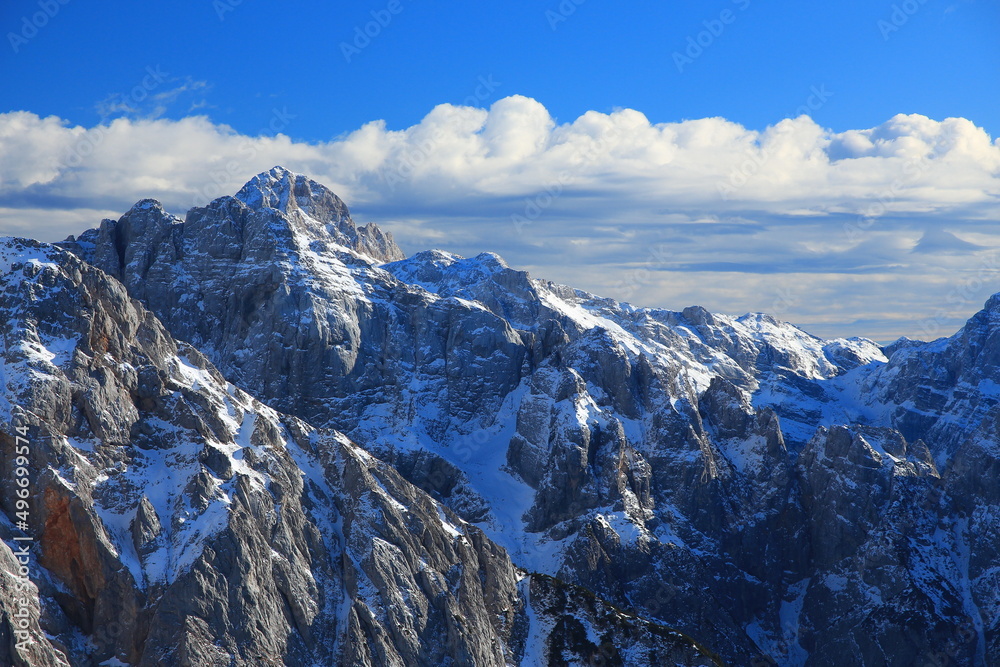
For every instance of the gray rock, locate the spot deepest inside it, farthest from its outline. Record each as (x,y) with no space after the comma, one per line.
(228,534)
(176,520)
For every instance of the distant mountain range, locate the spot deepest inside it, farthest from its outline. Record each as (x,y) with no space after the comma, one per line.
(261,435)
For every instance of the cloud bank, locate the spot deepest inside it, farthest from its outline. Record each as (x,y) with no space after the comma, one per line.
(880,232)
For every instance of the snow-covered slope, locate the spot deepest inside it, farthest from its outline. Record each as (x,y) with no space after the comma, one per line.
(736,478)
(171,518)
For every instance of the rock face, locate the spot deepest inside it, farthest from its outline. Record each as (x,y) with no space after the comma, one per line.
(585,630)
(175,520)
(780,498)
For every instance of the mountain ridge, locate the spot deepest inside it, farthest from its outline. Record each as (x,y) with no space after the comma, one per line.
(735,478)
(176,520)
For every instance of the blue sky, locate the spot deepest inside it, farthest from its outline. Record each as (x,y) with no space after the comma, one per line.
(585,120)
(942,61)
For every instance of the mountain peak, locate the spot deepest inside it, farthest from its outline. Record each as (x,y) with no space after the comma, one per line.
(315,210)
(287,191)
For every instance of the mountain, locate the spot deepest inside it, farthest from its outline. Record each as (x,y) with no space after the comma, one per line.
(781,498)
(175,520)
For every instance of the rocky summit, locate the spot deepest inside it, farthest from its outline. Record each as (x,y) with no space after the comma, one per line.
(262,435)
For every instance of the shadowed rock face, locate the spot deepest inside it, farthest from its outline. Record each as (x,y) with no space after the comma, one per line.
(178,521)
(782,498)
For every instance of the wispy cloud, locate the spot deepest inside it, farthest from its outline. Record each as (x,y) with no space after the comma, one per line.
(872,225)
(154,96)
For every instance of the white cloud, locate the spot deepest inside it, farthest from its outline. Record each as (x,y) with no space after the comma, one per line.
(584,201)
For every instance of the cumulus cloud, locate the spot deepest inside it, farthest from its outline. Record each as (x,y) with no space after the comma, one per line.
(737,214)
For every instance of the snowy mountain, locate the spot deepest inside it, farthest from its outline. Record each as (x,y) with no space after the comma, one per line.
(780,498)
(176,520)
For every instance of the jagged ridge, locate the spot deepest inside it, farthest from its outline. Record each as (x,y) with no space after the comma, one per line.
(736,478)
(176,520)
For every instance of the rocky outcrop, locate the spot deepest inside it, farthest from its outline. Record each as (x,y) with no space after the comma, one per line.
(24,641)
(583,630)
